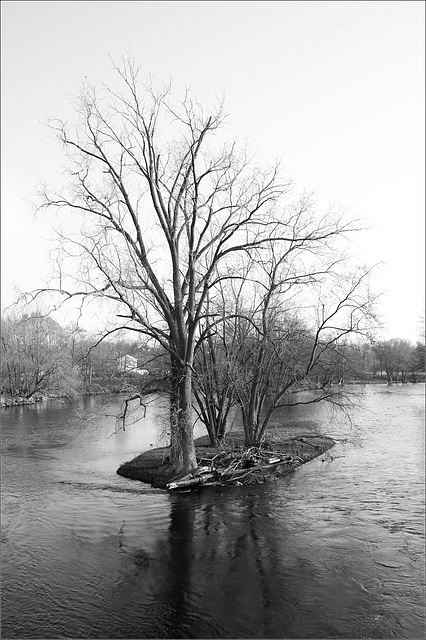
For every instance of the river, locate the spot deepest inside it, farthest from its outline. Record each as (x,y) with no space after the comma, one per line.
(334,551)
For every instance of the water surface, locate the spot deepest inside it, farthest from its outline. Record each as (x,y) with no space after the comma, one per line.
(334,551)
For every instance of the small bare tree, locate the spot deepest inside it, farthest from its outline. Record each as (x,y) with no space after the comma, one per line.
(283,324)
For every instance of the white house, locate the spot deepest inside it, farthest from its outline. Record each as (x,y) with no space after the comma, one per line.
(127,363)
(130,363)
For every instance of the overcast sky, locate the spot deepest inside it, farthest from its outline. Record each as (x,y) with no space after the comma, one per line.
(335,89)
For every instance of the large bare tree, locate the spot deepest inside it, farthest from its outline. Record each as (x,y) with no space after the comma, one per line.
(161,211)
(164,207)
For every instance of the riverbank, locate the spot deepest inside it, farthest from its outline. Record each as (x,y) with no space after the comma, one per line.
(6,403)
(18,401)
(153,466)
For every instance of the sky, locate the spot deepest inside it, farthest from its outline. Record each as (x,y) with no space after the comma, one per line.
(335,89)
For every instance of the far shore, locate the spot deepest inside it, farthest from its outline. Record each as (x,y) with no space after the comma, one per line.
(17,401)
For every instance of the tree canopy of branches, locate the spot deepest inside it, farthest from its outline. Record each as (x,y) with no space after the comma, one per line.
(169,214)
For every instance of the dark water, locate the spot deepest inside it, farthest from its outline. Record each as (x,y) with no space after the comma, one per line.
(335,551)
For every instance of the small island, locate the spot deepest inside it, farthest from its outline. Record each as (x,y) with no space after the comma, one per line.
(227,464)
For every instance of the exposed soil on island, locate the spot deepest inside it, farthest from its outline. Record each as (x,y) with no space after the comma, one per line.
(153,466)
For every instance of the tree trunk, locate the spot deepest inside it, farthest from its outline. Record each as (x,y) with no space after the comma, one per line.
(221,429)
(182,448)
(250,430)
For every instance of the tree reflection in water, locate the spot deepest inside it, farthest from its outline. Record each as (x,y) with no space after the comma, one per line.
(220,573)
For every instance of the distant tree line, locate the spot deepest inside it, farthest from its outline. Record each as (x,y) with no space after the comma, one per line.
(257,361)
(399,360)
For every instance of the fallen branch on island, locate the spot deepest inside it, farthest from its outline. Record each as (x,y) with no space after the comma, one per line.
(232,468)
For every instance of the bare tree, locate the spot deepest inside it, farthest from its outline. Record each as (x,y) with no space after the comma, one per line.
(36,357)
(395,357)
(164,209)
(161,214)
(283,324)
